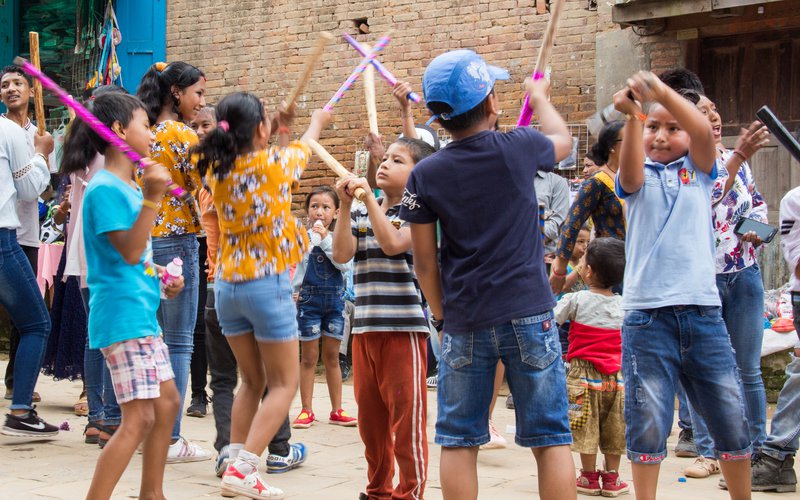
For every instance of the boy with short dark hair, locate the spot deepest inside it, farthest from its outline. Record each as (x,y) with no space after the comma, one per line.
(492,293)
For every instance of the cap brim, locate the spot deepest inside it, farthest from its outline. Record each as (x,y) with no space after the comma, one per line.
(498,73)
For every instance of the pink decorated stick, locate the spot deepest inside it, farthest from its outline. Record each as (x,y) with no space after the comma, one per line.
(380,68)
(383,42)
(526,114)
(99,128)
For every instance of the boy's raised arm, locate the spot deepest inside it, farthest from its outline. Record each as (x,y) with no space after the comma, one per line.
(550,122)
(631,156)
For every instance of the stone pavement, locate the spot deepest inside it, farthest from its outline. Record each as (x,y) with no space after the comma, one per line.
(62,468)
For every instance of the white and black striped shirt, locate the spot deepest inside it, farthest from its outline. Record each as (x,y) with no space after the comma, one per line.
(387,293)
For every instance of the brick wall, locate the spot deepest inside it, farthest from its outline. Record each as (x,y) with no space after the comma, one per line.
(260,46)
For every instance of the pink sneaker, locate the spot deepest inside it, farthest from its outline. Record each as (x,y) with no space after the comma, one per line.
(340,417)
(613,486)
(234,483)
(304,420)
(588,483)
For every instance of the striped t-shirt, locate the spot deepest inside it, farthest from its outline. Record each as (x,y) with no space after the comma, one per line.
(387,294)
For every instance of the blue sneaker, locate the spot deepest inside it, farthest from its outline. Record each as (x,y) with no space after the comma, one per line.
(223,460)
(277,464)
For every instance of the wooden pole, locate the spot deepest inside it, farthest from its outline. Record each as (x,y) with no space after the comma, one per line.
(38,100)
(334,165)
(369,94)
(311,61)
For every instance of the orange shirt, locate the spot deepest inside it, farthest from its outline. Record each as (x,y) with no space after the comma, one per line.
(259,234)
(210,222)
(171,149)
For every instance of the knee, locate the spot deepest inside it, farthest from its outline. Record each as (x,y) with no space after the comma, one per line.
(254,382)
(331,357)
(309,359)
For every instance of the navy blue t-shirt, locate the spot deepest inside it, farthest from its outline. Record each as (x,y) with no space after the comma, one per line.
(481,191)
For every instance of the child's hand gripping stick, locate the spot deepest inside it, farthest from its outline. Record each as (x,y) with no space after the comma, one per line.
(334,165)
(96,125)
(311,61)
(526,114)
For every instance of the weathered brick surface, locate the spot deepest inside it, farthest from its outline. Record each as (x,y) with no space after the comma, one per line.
(260,46)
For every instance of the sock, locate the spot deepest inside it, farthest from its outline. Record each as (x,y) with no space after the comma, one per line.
(246,463)
(234,449)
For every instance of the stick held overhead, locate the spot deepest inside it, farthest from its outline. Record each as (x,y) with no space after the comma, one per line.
(308,68)
(556,9)
(38,99)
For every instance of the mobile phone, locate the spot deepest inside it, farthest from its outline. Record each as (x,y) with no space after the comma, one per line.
(764,231)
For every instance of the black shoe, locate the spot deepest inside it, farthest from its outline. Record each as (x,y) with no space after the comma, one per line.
(199,406)
(686,447)
(510,402)
(29,425)
(770,474)
(345,367)
(363,496)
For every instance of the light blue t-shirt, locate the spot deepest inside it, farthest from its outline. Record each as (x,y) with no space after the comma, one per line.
(669,247)
(123,298)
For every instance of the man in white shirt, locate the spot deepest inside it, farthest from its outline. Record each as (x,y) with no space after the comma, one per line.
(16,91)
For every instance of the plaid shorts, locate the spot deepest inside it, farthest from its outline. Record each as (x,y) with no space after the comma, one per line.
(138,366)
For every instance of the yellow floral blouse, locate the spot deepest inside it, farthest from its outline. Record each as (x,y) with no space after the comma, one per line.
(259,234)
(171,149)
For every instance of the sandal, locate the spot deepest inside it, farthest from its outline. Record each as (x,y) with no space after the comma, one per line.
(91,438)
(81,408)
(107,430)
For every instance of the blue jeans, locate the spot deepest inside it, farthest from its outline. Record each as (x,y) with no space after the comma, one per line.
(663,346)
(20,296)
(742,295)
(97,379)
(177,316)
(530,351)
(684,411)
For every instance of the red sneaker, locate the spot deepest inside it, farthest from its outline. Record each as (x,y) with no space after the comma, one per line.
(613,486)
(340,417)
(588,483)
(304,420)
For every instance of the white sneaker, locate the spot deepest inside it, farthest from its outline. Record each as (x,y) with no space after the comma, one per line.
(496,440)
(183,451)
(251,486)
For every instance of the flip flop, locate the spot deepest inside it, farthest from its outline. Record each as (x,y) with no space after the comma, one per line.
(81,408)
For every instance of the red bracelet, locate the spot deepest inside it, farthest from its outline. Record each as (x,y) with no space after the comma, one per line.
(284,130)
(556,273)
(740,154)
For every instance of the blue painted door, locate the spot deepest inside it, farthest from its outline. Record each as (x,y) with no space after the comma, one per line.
(9,29)
(144,37)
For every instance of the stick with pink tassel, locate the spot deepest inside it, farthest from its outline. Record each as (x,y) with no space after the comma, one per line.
(383,42)
(99,128)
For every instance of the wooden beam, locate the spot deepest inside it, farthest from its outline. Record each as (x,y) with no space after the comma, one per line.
(728,4)
(639,11)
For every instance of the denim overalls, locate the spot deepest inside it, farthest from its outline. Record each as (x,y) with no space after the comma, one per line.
(321,299)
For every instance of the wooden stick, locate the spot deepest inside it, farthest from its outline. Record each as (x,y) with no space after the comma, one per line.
(38,100)
(548,40)
(334,165)
(369,95)
(311,61)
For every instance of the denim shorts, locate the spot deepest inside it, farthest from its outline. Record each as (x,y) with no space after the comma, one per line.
(690,344)
(531,353)
(319,312)
(263,306)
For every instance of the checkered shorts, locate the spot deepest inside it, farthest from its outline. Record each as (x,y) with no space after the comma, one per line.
(138,366)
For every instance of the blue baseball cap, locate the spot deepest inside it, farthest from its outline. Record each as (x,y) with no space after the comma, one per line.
(461,79)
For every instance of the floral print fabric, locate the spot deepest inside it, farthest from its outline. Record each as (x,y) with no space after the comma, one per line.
(259,234)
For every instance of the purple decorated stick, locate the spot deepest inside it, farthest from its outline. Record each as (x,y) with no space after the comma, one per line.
(526,114)
(383,42)
(379,67)
(99,128)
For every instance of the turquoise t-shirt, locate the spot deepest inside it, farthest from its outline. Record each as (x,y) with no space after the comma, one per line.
(123,298)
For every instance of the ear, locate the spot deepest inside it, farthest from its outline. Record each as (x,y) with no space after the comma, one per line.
(118,129)
(336,214)
(261,131)
(175,91)
(492,105)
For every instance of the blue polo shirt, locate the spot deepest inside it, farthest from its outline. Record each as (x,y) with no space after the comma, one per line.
(669,247)
(481,191)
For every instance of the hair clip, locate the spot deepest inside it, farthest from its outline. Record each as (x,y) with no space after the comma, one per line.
(160,66)
(225,126)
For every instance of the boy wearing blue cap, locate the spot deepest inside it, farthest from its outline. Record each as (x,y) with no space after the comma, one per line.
(492,290)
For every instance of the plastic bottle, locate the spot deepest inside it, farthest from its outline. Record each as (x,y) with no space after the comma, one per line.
(315,238)
(173,271)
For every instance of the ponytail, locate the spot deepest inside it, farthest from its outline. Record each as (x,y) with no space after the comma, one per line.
(240,113)
(601,150)
(82,143)
(155,89)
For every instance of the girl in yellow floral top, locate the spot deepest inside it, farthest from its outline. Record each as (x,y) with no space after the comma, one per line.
(259,240)
(173,94)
